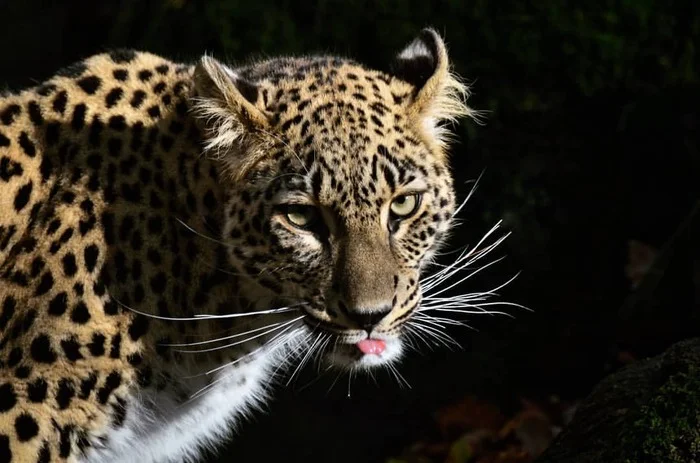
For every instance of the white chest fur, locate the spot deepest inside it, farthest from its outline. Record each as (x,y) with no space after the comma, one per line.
(159,428)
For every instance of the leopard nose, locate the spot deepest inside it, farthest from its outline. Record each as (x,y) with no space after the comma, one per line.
(364,318)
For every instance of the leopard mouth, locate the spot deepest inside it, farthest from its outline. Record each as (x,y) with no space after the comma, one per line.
(352,348)
(375,352)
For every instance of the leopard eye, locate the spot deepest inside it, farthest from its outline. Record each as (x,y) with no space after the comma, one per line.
(405,205)
(301,216)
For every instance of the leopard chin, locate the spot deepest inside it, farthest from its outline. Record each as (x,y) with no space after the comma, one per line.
(383,351)
(354,350)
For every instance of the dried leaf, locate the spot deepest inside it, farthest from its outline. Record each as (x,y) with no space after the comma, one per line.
(468,414)
(532,427)
(640,258)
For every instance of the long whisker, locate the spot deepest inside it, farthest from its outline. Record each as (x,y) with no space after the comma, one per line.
(436,334)
(289,357)
(300,351)
(335,381)
(289,308)
(420,336)
(206,316)
(409,339)
(272,347)
(273,344)
(269,330)
(319,355)
(460,250)
(469,195)
(225,338)
(470,257)
(350,375)
(461,280)
(309,352)
(321,350)
(491,292)
(429,321)
(201,235)
(511,304)
(287,146)
(399,377)
(441,320)
(462,262)
(469,312)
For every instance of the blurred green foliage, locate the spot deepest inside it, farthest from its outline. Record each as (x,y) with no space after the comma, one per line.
(534,52)
(533,64)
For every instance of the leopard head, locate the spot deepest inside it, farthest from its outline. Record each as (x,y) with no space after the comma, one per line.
(338,185)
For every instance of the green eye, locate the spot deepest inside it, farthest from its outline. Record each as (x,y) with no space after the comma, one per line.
(405,205)
(301,216)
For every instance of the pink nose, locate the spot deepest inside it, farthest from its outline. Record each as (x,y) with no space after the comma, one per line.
(371,346)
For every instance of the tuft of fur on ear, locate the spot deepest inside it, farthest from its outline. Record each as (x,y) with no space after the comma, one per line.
(235,128)
(440,96)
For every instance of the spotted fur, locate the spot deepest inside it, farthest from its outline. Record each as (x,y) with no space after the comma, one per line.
(145,211)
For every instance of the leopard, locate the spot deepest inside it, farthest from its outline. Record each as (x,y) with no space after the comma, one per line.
(175,238)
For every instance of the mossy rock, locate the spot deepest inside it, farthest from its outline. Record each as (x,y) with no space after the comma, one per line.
(648,412)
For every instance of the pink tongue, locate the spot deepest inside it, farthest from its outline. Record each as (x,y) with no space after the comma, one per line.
(371,346)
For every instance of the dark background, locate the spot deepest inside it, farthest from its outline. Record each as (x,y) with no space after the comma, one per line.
(591,140)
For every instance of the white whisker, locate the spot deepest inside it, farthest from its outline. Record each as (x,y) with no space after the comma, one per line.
(206,316)
(275,337)
(290,308)
(287,146)
(434,333)
(225,338)
(462,262)
(469,195)
(420,336)
(337,377)
(242,341)
(304,359)
(441,320)
(470,312)
(317,357)
(469,256)
(399,377)
(461,280)
(201,235)
(294,352)
(273,344)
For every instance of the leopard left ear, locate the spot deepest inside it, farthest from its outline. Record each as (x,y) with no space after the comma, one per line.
(439,96)
(230,110)
(226,103)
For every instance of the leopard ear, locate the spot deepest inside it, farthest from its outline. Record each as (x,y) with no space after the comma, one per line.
(227,105)
(439,95)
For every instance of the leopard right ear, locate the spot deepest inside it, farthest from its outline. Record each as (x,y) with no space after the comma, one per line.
(228,105)
(439,96)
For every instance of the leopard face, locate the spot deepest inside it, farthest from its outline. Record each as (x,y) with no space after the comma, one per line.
(338,187)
